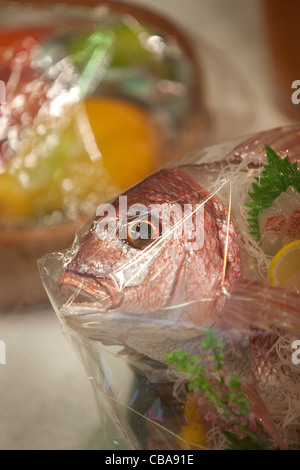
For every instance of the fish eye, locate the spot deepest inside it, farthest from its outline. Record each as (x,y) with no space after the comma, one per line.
(142,231)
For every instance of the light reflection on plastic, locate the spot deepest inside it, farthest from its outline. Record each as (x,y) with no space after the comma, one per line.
(65,98)
(156,45)
(107,375)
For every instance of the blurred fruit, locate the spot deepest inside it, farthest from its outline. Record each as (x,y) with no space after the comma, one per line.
(127,138)
(67,165)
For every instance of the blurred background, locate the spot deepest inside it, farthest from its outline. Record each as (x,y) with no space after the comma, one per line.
(226,75)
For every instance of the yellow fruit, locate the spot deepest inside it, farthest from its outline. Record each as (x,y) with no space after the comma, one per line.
(285,267)
(74,162)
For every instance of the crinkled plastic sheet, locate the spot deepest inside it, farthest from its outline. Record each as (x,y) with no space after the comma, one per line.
(59,56)
(128,300)
(55,62)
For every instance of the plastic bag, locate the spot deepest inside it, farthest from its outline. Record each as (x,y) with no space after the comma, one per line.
(182,299)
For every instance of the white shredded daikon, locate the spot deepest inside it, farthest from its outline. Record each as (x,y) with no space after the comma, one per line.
(284,406)
(254,260)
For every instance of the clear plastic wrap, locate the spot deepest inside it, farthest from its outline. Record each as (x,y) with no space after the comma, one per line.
(183,309)
(73,76)
(65,69)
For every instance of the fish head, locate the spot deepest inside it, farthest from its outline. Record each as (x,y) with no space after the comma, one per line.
(155,249)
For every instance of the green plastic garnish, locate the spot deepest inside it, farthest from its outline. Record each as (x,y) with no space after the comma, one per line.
(278,174)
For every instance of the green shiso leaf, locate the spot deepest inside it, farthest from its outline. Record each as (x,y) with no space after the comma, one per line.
(278,174)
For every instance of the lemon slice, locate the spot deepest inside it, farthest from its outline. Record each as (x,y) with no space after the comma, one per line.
(285,267)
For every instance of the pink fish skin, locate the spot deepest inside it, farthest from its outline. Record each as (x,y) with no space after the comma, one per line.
(282,140)
(172,275)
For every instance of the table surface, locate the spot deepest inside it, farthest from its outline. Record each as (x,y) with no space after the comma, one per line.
(46,400)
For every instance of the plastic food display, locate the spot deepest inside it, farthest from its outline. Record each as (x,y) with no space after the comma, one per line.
(96,98)
(182,297)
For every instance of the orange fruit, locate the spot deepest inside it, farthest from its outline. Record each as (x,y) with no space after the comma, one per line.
(127,138)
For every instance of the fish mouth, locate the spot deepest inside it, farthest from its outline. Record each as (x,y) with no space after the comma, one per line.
(87,290)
